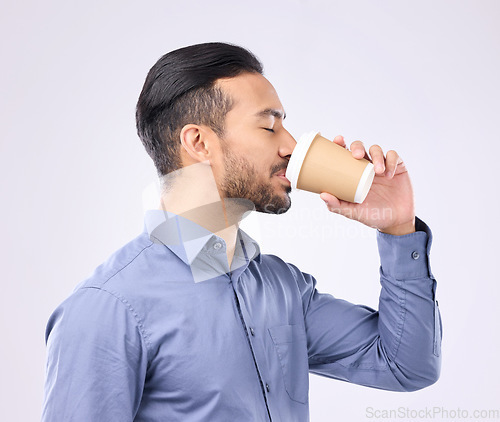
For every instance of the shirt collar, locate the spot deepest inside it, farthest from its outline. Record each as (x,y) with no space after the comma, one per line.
(187,239)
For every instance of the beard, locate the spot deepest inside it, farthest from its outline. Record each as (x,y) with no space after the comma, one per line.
(242,180)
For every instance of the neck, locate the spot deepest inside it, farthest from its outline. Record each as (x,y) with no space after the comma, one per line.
(192,193)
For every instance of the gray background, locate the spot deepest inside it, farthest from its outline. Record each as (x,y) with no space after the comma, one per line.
(420,77)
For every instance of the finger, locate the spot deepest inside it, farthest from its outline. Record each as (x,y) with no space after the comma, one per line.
(339,140)
(338,206)
(331,201)
(378,159)
(358,149)
(401,167)
(391,162)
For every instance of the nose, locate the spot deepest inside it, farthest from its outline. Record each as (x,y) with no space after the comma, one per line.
(287,144)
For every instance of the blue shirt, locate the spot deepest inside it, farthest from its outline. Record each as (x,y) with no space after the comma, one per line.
(165,331)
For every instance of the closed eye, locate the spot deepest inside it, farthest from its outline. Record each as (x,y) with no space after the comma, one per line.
(268,129)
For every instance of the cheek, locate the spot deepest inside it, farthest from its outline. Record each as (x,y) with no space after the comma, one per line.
(249,156)
(261,158)
(260,167)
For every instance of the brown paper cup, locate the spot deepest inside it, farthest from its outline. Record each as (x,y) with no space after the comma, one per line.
(319,165)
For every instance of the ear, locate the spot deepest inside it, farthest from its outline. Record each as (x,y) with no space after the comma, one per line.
(194,139)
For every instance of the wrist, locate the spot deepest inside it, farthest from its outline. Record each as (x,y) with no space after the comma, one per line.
(400,229)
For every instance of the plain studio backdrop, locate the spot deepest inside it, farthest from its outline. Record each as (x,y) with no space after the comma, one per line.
(420,77)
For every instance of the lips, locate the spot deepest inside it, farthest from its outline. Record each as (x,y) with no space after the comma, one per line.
(281,171)
(281,175)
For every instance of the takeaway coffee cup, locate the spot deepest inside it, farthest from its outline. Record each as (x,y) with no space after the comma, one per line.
(320,165)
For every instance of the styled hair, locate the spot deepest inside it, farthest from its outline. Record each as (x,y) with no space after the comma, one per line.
(180,89)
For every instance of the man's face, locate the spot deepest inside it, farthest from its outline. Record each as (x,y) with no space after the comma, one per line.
(256,147)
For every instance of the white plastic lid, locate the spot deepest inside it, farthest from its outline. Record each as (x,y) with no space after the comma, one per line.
(364,183)
(297,158)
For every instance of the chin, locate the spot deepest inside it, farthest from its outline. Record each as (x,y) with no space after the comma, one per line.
(275,208)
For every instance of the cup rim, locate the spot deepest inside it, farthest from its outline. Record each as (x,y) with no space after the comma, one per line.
(298,156)
(364,184)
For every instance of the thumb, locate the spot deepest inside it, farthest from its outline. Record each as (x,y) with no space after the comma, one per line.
(337,205)
(330,200)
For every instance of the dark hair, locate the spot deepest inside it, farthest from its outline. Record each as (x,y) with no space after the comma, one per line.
(180,89)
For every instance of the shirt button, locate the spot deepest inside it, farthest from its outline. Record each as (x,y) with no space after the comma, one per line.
(252,331)
(217,245)
(415,255)
(267,388)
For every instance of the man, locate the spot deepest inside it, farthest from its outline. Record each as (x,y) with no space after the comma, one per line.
(189,322)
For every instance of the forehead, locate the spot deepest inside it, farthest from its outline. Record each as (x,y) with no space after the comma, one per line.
(251,93)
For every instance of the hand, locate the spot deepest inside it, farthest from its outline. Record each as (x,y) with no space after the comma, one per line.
(389,205)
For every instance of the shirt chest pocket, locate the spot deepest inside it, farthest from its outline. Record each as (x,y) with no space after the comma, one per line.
(291,347)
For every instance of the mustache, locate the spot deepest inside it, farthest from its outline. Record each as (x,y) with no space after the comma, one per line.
(278,167)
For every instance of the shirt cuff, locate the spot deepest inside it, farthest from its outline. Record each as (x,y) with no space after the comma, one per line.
(406,256)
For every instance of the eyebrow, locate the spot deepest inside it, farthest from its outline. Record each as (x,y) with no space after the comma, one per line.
(271,112)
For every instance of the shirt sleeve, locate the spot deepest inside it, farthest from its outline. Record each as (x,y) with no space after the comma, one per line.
(395,348)
(96,360)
